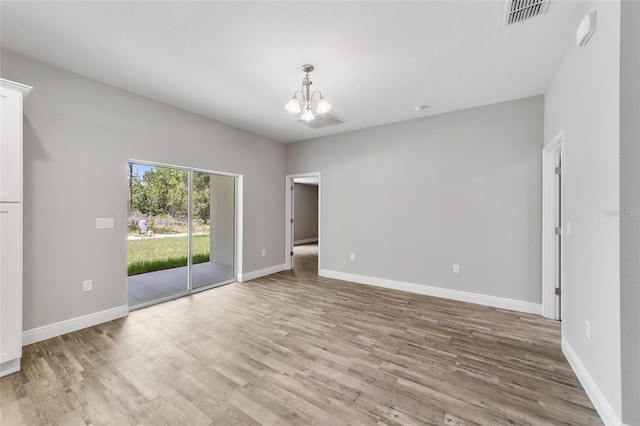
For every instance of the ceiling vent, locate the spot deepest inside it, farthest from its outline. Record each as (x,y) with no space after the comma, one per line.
(324,120)
(521,10)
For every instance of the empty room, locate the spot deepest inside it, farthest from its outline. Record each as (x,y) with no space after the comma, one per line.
(320,212)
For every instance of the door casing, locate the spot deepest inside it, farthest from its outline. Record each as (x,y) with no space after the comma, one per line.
(552,256)
(288,224)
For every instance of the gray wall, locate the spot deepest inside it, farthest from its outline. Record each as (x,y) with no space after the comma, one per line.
(583,100)
(305,210)
(630,208)
(411,199)
(78,136)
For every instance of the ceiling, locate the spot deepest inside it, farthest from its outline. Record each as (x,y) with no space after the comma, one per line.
(239,62)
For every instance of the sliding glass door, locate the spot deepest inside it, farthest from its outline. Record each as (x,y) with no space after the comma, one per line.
(214,199)
(181,231)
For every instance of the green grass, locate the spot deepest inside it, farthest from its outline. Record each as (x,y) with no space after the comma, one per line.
(155,254)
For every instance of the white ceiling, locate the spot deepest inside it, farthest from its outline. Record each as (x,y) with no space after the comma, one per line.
(239,62)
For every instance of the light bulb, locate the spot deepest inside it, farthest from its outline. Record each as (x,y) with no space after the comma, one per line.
(307,116)
(292,106)
(323,106)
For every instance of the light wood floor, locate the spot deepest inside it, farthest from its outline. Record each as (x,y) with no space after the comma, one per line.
(293,348)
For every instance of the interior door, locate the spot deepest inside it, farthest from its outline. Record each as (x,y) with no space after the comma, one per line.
(559,232)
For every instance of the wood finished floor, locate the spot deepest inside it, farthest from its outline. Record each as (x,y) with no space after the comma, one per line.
(293,348)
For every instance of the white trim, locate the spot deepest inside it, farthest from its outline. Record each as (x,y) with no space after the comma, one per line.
(602,406)
(185,168)
(549,206)
(67,326)
(463,296)
(307,241)
(239,224)
(9,367)
(288,209)
(261,272)
(23,88)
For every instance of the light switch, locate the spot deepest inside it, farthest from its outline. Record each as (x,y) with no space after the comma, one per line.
(104,223)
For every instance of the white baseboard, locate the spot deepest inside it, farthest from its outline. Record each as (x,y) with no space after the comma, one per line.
(463,296)
(605,410)
(260,272)
(307,241)
(67,326)
(9,367)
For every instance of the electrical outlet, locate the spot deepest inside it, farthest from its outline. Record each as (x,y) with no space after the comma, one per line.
(264,252)
(588,329)
(456,269)
(352,256)
(87,285)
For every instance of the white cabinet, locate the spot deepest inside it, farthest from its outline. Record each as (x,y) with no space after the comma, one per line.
(11,141)
(11,287)
(11,95)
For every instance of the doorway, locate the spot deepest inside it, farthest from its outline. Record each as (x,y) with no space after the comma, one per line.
(553,230)
(302,225)
(181,233)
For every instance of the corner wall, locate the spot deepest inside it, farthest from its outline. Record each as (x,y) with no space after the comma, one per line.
(630,209)
(78,135)
(413,198)
(583,100)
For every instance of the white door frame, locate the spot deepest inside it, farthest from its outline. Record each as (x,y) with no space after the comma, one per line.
(550,307)
(239,215)
(288,210)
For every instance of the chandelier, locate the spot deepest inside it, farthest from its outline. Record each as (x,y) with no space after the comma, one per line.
(305,103)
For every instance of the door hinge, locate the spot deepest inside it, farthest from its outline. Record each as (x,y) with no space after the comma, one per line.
(558,170)
(292,187)
(558,230)
(291,254)
(291,220)
(558,291)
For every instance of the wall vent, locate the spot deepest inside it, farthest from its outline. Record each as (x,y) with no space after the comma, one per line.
(324,120)
(521,10)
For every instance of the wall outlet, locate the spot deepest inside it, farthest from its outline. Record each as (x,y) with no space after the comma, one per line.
(588,329)
(87,285)
(456,269)
(352,256)
(264,252)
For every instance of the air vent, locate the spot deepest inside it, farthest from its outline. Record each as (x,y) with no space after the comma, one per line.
(324,120)
(521,10)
